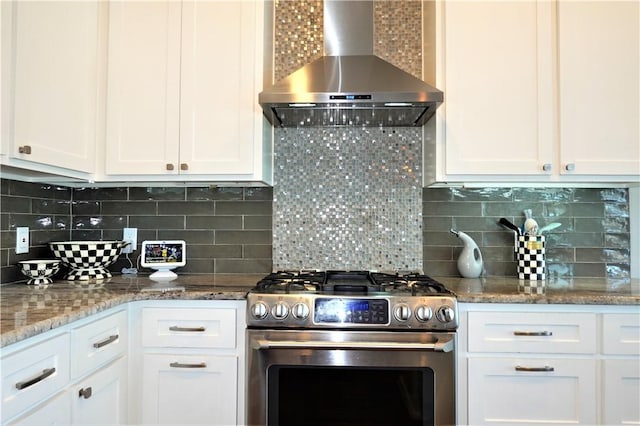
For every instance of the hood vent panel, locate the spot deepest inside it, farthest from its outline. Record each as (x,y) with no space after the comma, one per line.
(362,115)
(349,89)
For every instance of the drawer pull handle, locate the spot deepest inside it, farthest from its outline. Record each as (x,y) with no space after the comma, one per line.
(181,365)
(26,149)
(45,373)
(546,368)
(105,342)
(532,333)
(190,329)
(85,393)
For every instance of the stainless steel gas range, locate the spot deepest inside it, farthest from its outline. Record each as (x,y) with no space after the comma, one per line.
(350,348)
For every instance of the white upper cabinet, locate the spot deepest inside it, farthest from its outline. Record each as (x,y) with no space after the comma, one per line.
(183,82)
(52,84)
(599,87)
(537,91)
(494,88)
(143,95)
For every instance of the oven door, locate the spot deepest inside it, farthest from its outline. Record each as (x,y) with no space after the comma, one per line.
(355,378)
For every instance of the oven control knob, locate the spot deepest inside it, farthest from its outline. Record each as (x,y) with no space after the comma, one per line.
(300,311)
(424,313)
(402,312)
(259,310)
(445,314)
(280,310)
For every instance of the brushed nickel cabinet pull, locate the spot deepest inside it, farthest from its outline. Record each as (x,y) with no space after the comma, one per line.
(546,167)
(85,393)
(26,149)
(181,365)
(190,329)
(532,333)
(169,166)
(184,166)
(45,373)
(570,167)
(105,342)
(544,369)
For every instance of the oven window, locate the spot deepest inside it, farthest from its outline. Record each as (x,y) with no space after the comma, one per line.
(351,396)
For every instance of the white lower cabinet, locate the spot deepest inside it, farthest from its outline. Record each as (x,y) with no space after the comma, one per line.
(621,368)
(71,375)
(54,411)
(554,364)
(33,371)
(532,390)
(190,362)
(189,389)
(101,398)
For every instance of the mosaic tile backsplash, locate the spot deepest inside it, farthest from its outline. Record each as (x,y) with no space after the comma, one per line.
(347,198)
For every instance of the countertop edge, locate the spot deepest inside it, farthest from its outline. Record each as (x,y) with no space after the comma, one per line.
(57,321)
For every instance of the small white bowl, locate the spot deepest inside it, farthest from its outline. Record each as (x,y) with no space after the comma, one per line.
(39,271)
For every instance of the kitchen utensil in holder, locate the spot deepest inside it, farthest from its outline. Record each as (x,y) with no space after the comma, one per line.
(530,256)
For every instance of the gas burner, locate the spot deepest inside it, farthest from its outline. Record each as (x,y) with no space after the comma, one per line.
(291,282)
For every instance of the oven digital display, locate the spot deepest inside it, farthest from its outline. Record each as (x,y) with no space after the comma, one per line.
(351,311)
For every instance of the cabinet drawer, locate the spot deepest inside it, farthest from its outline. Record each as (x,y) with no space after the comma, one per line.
(532,390)
(533,332)
(33,374)
(193,328)
(97,343)
(621,334)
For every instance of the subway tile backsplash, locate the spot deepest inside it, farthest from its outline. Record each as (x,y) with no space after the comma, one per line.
(230,229)
(593,239)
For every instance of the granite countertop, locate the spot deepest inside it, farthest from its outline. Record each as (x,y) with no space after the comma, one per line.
(27,310)
(30,310)
(574,291)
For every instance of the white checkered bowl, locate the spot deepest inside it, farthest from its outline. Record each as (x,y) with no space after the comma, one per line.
(39,271)
(87,260)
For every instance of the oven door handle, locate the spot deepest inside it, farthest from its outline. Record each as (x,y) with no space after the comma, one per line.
(443,344)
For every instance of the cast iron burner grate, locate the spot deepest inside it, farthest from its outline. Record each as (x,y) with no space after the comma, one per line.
(350,282)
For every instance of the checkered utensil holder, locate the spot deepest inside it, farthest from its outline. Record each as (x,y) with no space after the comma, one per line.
(530,256)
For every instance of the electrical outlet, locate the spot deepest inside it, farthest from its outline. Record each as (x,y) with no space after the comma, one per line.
(131,236)
(22,239)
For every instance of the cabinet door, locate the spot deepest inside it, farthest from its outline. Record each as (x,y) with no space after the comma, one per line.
(54,95)
(101,398)
(498,91)
(621,391)
(142,131)
(599,87)
(530,391)
(54,412)
(189,389)
(218,90)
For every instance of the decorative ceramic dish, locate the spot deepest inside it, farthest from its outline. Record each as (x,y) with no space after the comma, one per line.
(87,260)
(39,271)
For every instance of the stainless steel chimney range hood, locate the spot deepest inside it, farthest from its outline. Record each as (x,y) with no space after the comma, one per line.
(349,86)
